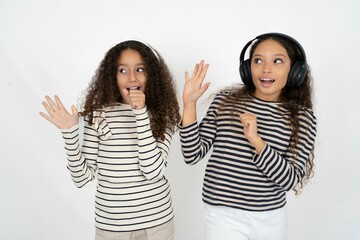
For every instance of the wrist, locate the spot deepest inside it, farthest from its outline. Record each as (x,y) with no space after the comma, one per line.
(189,114)
(189,104)
(258,143)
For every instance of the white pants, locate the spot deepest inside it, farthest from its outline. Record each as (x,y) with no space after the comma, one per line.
(234,224)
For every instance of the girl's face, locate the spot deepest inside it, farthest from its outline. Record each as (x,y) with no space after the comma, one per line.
(270,67)
(130,73)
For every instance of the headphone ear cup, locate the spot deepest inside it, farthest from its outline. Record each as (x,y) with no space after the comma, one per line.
(297,74)
(245,72)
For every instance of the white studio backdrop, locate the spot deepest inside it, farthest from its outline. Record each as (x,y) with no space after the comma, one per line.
(54,47)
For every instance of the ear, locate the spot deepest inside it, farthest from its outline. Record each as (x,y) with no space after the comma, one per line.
(297,74)
(245,72)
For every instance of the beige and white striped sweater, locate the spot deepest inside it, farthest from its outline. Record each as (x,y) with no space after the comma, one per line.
(128,163)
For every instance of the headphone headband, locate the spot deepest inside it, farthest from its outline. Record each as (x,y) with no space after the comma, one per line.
(298,70)
(274,34)
(148,45)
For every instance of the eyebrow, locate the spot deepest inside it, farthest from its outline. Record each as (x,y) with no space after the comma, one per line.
(138,64)
(276,55)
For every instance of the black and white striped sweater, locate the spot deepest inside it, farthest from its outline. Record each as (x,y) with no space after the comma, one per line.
(236,176)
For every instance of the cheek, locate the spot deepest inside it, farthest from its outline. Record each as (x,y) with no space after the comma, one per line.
(256,71)
(285,76)
(120,82)
(253,69)
(145,82)
(143,79)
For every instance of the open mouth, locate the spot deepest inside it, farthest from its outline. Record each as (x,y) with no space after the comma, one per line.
(267,80)
(133,88)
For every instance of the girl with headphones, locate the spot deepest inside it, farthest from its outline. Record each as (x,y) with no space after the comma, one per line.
(130,115)
(262,134)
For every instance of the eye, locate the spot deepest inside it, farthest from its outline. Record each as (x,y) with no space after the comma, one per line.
(122,70)
(140,69)
(257,60)
(278,60)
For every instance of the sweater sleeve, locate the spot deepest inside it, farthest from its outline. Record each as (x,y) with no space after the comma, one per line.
(152,153)
(196,141)
(287,170)
(81,162)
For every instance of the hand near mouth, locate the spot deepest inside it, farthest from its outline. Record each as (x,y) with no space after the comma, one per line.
(135,97)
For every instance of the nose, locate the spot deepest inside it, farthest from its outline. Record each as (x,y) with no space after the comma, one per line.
(267,68)
(132,76)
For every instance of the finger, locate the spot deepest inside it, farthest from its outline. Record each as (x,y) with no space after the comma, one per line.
(135,91)
(125,91)
(248,120)
(187,76)
(245,124)
(138,100)
(136,94)
(204,87)
(204,71)
(242,118)
(47,117)
(131,96)
(199,70)
(58,102)
(47,108)
(51,103)
(195,71)
(74,110)
(246,114)
(135,102)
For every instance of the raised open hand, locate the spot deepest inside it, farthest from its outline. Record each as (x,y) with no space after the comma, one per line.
(194,88)
(58,115)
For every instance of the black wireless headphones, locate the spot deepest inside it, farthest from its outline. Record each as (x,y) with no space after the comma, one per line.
(298,71)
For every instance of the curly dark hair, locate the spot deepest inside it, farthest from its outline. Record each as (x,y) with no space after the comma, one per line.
(160,92)
(291,97)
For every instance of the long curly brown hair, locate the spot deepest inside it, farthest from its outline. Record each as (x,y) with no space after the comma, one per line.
(292,98)
(160,92)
